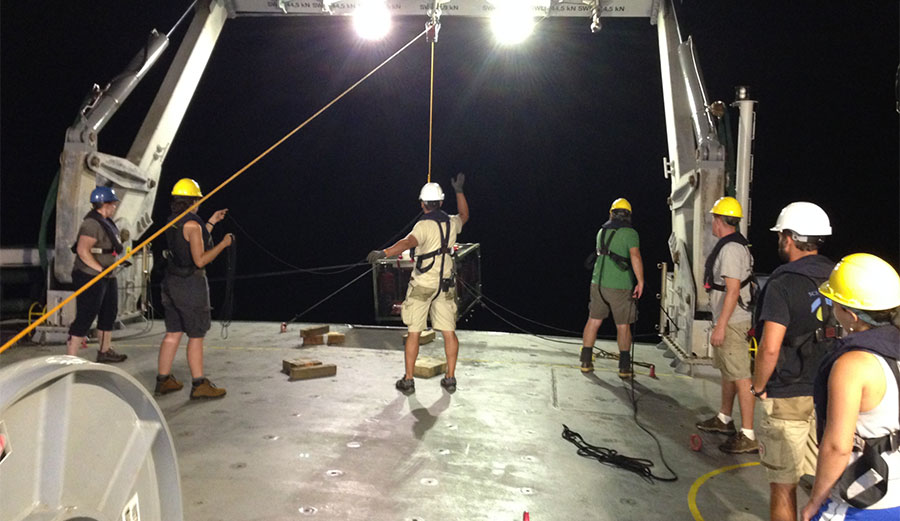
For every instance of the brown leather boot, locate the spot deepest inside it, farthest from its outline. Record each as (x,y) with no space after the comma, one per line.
(206,389)
(169,385)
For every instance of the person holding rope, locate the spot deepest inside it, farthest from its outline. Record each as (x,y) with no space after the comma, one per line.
(727,278)
(432,288)
(97,247)
(857,397)
(615,261)
(185,290)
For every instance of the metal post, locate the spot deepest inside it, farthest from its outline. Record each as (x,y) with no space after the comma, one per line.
(744,170)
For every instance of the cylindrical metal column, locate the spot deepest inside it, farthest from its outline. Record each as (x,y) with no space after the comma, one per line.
(744,163)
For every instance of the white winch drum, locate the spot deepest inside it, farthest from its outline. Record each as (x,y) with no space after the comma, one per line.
(83,442)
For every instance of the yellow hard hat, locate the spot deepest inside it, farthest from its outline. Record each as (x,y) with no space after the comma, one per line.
(620,204)
(865,282)
(187,187)
(727,206)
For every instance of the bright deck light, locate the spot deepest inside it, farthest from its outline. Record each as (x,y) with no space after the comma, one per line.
(512,21)
(372,20)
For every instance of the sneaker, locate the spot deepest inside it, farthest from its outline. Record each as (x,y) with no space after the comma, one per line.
(739,444)
(169,385)
(206,389)
(714,424)
(110,357)
(587,359)
(406,385)
(449,384)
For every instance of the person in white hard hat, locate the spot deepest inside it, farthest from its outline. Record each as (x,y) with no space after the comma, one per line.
(796,327)
(432,288)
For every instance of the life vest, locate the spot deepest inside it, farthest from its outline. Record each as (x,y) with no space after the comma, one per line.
(709,279)
(883,341)
(180,261)
(111,231)
(439,217)
(801,353)
(606,237)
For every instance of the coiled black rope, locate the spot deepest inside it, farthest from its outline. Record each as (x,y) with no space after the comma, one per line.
(640,466)
(227,310)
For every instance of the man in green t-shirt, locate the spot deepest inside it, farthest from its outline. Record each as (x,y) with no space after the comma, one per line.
(616,284)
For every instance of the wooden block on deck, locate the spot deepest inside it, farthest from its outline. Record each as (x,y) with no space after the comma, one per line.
(313,371)
(327,338)
(425,337)
(313,331)
(427,367)
(287,365)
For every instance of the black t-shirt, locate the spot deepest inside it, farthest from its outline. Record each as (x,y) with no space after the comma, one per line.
(793,300)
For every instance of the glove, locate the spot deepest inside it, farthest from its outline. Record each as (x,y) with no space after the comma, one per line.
(590,260)
(375,255)
(458,182)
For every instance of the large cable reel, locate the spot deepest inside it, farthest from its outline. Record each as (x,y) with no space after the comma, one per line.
(83,442)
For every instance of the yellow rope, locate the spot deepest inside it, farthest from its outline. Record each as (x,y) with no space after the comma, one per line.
(140,246)
(430,112)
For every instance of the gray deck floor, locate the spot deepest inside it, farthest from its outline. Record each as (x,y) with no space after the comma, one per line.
(350,447)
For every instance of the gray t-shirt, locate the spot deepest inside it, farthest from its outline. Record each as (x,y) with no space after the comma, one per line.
(734,261)
(91,228)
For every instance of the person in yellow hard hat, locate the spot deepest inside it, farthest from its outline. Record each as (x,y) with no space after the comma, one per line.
(617,282)
(185,291)
(727,278)
(857,397)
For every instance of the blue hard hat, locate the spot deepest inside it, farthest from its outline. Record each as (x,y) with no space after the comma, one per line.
(103,194)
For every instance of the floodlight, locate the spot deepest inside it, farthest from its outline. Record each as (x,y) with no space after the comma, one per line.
(512,21)
(372,20)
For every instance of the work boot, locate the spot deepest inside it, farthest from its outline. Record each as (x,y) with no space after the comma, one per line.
(449,384)
(206,389)
(714,424)
(110,357)
(587,359)
(625,371)
(167,385)
(406,385)
(739,444)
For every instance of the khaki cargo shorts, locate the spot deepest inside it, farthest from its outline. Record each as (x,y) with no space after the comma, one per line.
(623,307)
(732,358)
(420,303)
(787,439)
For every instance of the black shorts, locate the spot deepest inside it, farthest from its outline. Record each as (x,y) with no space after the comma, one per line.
(100,301)
(186,304)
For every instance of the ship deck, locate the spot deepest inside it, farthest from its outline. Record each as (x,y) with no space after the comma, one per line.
(351,447)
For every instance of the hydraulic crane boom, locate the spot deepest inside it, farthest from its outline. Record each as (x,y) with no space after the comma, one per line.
(695,166)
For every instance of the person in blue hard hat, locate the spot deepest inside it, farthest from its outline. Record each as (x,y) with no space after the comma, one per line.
(96,249)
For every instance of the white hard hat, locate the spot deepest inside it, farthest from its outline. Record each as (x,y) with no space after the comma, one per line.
(806,219)
(431,192)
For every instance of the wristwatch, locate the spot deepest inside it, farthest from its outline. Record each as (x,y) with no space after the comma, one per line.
(756,393)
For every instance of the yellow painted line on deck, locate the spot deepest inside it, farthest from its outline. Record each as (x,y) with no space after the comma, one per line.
(692,494)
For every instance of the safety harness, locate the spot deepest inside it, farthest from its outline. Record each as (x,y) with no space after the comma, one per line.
(709,279)
(865,481)
(438,216)
(623,263)
(111,231)
(180,262)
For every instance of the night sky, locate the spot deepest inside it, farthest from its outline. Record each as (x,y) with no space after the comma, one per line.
(548,133)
